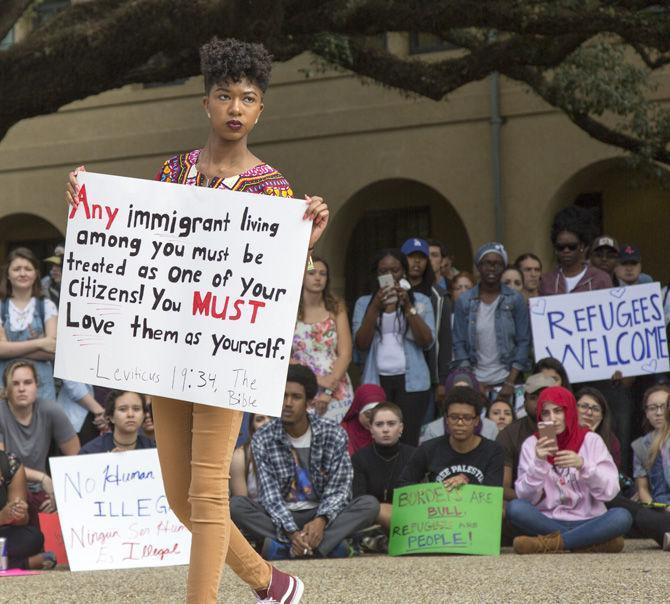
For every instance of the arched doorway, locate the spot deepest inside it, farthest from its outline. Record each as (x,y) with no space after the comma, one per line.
(384,214)
(31,231)
(628,205)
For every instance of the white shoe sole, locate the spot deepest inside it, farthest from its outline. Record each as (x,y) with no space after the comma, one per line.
(299,588)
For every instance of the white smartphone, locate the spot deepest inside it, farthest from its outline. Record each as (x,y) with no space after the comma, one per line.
(386,281)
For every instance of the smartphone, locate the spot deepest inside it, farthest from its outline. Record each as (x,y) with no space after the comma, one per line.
(548,430)
(387,281)
(655,505)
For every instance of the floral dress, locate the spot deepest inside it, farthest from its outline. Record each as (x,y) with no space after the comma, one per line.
(315,345)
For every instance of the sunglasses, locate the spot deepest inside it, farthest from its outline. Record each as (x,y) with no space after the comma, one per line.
(572,247)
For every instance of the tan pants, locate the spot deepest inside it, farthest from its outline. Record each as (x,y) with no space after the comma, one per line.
(195,446)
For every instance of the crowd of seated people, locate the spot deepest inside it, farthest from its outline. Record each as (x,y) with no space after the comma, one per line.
(448,391)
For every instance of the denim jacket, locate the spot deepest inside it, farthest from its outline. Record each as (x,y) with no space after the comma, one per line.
(417,374)
(512,325)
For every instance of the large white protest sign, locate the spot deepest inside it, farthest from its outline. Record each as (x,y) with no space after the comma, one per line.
(181,291)
(597,333)
(114,514)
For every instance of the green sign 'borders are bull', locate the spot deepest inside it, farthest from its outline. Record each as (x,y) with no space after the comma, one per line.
(428,519)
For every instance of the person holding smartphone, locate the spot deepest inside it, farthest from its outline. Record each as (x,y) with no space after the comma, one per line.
(393,326)
(566,474)
(492,327)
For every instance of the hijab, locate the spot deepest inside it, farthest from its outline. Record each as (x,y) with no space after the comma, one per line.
(365,395)
(572,437)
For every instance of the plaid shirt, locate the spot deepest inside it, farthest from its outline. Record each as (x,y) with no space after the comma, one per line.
(329,469)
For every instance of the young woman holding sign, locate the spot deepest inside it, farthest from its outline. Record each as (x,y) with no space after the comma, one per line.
(236,77)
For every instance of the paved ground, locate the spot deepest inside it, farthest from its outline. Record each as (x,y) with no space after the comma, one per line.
(638,574)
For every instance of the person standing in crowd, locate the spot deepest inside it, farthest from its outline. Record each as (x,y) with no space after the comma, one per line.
(243,476)
(440,426)
(513,278)
(356,422)
(594,414)
(394,327)
(51,283)
(629,269)
(460,284)
(502,413)
(378,466)
(531,269)
(462,456)
(437,255)
(512,437)
(25,542)
(29,320)
(604,254)
(304,505)
(492,326)
(196,441)
(563,485)
(571,233)
(422,280)
(322,341)
(125,411)
(28,424)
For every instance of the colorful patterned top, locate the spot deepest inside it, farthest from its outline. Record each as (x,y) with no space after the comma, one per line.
(262,179)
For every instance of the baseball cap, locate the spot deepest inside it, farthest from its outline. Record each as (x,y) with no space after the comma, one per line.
(630,253)
(415,245)
(537,381)
(54,260)
(605,241)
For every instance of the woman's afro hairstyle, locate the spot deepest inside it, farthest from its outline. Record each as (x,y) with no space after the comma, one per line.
(577,220)
(232,61)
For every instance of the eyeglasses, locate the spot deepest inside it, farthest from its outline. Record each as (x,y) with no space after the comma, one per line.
(466,420)
(593,409)
(656,408)
(572,247)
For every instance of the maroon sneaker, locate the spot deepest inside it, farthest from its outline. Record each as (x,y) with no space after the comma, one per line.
(283,589)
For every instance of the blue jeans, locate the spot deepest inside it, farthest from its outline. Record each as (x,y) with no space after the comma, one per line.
(577,534)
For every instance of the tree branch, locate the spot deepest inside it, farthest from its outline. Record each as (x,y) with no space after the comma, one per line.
(596,129)
(437,79)
(630,20)
(12,10)
(102,45)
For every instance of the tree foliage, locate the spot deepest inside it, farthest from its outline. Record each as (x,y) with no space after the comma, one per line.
(591,59)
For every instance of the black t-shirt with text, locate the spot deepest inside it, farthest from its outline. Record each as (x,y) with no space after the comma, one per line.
(436,460)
